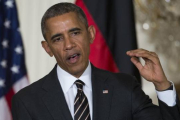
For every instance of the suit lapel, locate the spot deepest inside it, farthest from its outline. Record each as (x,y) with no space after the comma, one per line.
(55,101)
(54,98)
(101,101)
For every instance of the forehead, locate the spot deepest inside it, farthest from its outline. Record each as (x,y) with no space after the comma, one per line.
(64,22)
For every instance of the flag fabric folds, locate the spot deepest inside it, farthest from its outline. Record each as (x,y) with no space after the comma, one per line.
(115,34)
(13,74)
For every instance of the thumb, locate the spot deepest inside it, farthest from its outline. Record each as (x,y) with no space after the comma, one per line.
(136,62)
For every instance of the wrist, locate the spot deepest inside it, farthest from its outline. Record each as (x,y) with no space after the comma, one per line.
(162,86)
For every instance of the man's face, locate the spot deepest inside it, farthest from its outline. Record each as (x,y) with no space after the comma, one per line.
(68,39)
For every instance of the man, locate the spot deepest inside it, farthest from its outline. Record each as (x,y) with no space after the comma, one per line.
(75,89)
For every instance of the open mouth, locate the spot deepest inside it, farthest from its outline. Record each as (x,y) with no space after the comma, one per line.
(73,58)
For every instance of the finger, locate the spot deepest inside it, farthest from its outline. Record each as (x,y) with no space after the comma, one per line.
(134,52)
(145,59)
(153,53)
(139,53)
(137,63)
(148,61)
(140,49)
(148,56)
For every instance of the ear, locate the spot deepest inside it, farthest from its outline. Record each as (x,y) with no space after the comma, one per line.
(46,48)
(92,33)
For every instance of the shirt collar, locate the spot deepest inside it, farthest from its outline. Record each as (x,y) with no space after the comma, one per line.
(67,80)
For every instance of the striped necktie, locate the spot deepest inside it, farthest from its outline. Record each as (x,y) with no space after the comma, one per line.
(81,106)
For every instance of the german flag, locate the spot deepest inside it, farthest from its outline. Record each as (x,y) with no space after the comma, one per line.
(115,34)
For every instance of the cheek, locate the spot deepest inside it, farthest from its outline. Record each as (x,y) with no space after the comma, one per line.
(58,53)
(86,49)
(85,42)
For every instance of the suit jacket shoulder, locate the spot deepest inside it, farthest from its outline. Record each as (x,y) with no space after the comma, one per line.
(126,99)
(32,90)
(42,100)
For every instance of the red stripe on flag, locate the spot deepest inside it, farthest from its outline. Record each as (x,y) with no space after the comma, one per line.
(9,96)
(100,54)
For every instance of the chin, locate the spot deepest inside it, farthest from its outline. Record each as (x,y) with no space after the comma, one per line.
(78,71)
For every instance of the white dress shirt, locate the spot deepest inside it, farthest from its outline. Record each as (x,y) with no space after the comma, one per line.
(70,90)
(168,96)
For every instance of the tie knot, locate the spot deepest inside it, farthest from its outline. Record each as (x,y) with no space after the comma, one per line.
(79,84)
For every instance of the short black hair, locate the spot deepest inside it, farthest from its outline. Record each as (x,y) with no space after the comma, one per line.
(60,9)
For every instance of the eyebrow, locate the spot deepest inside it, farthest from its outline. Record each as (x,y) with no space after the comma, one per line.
(56,35)
(74,29)
(59,34)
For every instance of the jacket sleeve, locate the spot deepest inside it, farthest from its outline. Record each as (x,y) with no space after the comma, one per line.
(144,109)
(170,112)
(19,112)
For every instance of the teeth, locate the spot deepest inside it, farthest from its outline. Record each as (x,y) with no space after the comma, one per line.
(73,56)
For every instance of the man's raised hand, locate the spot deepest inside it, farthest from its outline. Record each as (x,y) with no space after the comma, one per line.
(152,70)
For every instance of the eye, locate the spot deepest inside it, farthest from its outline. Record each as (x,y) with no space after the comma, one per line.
(57,39)
(76,33)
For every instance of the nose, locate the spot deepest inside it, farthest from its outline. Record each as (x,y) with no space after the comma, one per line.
(68,44)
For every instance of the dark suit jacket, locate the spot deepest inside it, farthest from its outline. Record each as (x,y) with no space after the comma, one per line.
(44,100)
